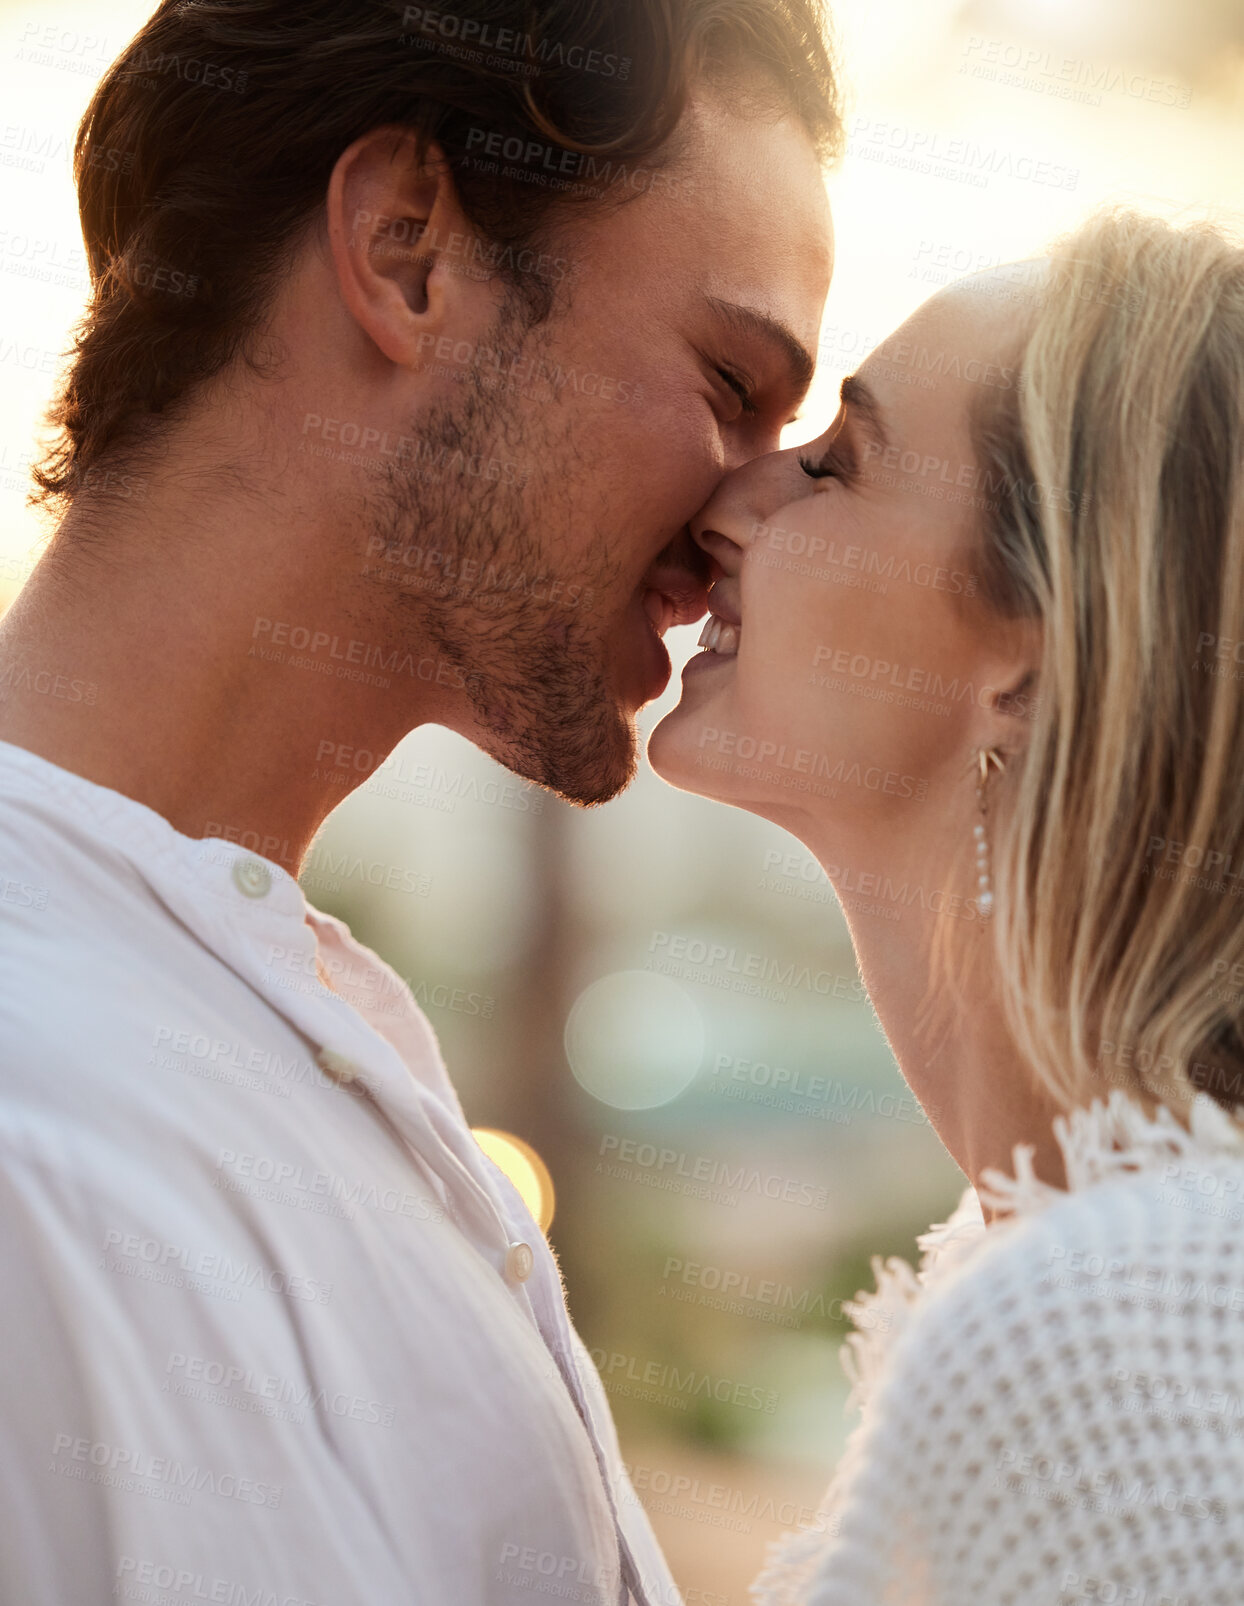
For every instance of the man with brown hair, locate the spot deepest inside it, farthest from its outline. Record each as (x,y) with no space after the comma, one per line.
(425,332)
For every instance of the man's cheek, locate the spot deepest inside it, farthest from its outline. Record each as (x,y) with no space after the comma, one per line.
(694,473)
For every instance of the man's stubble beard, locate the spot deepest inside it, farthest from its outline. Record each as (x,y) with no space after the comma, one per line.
(534,671)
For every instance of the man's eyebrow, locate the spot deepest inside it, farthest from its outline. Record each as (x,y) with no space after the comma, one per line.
(763,326)
(856,394)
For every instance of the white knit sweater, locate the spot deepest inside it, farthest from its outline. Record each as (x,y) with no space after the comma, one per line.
(1053,1406)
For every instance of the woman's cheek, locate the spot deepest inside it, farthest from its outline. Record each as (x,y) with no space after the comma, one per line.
(782,637)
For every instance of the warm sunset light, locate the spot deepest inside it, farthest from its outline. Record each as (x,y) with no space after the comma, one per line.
(524,1167)
(666,576)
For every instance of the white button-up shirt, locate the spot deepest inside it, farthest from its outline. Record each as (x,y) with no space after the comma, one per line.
(275,1330)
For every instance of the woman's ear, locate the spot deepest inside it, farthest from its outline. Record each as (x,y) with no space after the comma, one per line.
(1010,699)
(1018,701)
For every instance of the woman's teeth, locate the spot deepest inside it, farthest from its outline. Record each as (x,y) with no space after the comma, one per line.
(720,637)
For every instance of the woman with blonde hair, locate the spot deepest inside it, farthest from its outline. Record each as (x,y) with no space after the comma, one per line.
(984,642)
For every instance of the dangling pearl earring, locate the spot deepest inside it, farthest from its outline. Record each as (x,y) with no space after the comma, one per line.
(984,898)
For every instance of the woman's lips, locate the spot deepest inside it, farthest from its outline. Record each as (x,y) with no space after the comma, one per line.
(725,601)
(720,637)
(724,624)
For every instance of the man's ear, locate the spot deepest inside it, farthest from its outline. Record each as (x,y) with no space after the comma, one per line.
(390,210)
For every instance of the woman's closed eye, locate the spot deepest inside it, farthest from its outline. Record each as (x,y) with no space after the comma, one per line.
(836,460)
(827,467)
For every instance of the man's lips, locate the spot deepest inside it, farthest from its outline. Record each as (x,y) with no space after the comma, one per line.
(674,598)
(652,666)
(659,608)
(675,585)
(669,596)
(672,591)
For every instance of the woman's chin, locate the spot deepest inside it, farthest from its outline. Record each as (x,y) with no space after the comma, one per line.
(676,745)
(676,752)
(671,751)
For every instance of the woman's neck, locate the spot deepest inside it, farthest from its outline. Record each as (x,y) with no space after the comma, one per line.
(959,1059)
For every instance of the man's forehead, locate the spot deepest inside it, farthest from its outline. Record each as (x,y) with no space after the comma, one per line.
(737,216)
(756,218)
(753,175)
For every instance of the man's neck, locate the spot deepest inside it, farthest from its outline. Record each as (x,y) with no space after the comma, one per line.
(180,682)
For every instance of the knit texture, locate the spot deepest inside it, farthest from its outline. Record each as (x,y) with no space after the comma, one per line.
(1053,1405)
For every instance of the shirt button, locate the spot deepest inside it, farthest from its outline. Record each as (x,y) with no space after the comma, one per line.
(337,1066)
(251,878)
(518,1262)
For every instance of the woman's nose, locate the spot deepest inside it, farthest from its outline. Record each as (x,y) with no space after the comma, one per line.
(743,502)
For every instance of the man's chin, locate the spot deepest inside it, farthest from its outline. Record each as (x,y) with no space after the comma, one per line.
(585,763)
(601,788)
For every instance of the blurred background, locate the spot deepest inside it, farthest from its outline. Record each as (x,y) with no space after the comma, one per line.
(651,1010)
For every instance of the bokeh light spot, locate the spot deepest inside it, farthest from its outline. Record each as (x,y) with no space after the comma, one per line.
(524,1167)
(634,1040)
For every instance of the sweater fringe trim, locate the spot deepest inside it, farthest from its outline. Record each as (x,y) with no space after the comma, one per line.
(1108,1138)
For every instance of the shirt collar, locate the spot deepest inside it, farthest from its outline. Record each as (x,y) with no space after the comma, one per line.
(253,887)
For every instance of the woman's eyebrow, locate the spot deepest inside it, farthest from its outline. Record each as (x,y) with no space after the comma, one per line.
(856,394)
